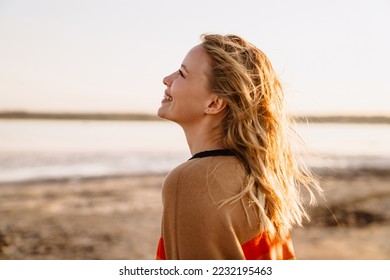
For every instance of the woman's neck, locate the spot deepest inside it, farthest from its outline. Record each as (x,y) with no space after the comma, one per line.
(203,138)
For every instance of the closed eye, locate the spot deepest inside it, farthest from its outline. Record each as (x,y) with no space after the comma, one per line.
(181,73)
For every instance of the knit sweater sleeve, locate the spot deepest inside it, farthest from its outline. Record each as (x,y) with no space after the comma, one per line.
(193,225)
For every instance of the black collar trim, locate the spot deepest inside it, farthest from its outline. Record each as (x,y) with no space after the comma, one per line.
(213,153)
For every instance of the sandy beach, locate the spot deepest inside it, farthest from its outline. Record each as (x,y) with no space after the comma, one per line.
(119,218)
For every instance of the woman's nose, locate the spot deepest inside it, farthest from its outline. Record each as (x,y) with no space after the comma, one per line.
(165,81)
(168,80)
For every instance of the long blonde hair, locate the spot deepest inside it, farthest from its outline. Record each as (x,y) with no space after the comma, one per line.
(256,128)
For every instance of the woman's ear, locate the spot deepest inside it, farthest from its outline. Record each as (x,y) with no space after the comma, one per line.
(216,105)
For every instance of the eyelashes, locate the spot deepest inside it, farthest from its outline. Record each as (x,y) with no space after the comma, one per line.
(181,73)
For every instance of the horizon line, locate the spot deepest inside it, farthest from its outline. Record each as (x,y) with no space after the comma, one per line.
(110,116)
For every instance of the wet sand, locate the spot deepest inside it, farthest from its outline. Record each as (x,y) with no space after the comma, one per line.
(119,218)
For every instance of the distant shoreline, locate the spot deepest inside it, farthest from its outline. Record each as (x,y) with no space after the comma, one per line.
(78,116)
(21,115)
(339,173)
(343,119)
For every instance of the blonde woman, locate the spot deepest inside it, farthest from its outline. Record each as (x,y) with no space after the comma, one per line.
(238,196)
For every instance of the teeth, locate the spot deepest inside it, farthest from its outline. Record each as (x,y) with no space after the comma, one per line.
(168,98)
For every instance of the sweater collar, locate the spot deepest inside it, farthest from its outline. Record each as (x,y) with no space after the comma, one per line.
(213,153)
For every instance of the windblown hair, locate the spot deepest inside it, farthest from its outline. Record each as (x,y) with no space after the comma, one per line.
(257,129)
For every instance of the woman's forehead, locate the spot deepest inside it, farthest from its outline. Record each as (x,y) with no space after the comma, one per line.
(196,59)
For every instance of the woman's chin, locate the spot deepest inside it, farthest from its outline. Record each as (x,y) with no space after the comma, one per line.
(162,112)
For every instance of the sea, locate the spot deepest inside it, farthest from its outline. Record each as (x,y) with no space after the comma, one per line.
(34,150)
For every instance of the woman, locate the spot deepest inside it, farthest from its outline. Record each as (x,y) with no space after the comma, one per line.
(238,196)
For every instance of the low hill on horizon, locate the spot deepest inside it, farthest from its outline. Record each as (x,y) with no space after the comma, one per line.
(149,117)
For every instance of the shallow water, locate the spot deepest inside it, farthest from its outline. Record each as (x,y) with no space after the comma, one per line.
(39,149)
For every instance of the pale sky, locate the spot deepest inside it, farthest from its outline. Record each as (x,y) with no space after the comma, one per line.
(111,56)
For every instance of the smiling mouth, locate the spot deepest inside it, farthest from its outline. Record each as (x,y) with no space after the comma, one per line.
(167,98)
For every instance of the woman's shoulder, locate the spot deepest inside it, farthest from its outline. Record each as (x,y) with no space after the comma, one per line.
(220,166)
(222,174)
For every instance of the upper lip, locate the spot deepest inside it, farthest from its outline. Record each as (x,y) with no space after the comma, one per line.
(167,93)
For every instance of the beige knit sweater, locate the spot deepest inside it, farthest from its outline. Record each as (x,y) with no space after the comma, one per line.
(194,226)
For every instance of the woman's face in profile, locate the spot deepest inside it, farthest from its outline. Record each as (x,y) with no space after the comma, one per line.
(187,90)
